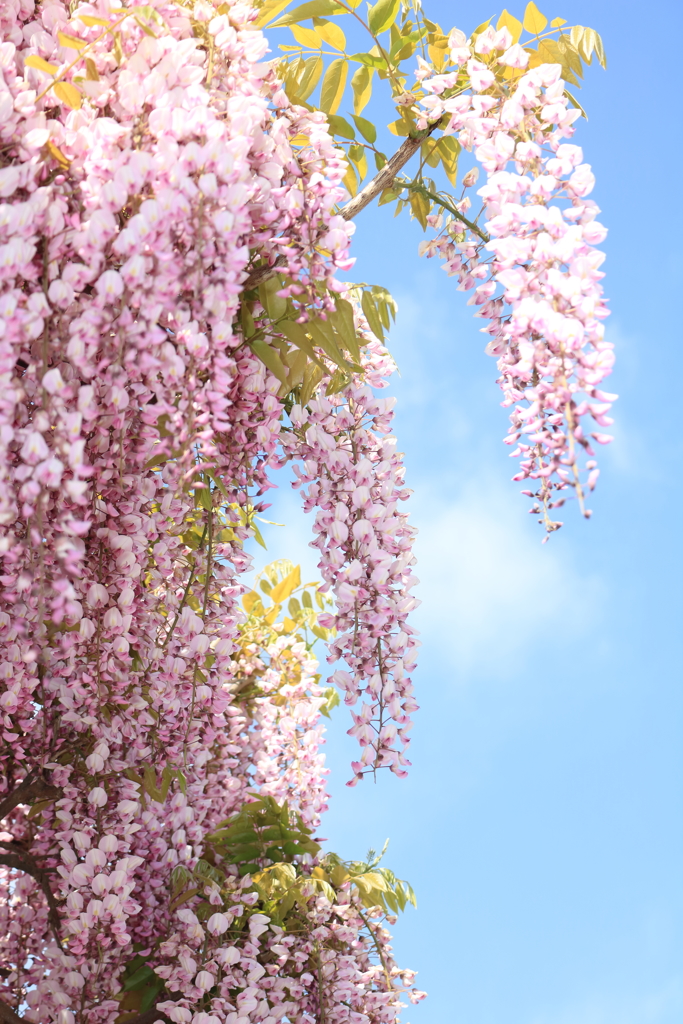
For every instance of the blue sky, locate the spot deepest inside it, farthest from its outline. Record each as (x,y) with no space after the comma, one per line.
(541,823)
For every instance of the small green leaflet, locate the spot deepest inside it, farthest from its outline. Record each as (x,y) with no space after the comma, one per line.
(313,9)
(382,15)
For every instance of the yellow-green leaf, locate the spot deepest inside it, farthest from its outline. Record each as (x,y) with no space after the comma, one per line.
(306,36)
(68,94)
(310,78)
(420,206)
(512,24)
(333,86)
(357,154)
(34,61)
(56,152)
(71,42)
(449,151)
(534,21)
(270,10)
(90,20)
(342,320)
(382,15)
(361,83)
(313,9)
(331,33)
(366,128)
(91,70)
(340,126)
(558,22)
(283,589)
(270,358)
(297,335)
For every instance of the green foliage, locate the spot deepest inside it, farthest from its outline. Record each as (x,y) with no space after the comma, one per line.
(260,833)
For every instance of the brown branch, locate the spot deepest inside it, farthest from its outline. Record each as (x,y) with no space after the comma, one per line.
(19,859)
(33,787)
(8,1016)
(382,180)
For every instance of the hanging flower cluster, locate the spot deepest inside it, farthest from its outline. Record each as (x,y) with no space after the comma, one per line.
(355,478)
(539,287)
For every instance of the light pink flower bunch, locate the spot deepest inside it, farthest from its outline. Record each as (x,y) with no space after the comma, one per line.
(533,266)
(355,478)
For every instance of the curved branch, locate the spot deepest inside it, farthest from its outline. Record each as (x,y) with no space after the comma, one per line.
(8,1016)
(19,859)
(33,787)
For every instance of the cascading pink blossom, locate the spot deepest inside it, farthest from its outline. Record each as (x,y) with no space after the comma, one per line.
(539,287)
(355,478)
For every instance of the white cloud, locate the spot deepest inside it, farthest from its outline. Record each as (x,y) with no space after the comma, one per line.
(489,588)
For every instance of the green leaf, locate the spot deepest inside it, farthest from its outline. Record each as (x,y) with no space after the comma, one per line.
(370,60)
(342,319)
(360,160)
(296,334)
(449,151)
(313,9)
(534,21)
(420,207)
(340,126)
(286,586)
(322,333)
(269,358)
(312,71)
(365,127)
(372,316)
(512,24)
(270,10)
(274,305)
(382,15)
(361,83)
(333,86)
(332,34)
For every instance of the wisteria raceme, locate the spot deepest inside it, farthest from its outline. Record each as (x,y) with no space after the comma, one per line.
(355,478)
(539,288)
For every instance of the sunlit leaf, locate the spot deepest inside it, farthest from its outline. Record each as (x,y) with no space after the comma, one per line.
(270,10)
(382,15)
(313,9)
(366,128)
(534,21)
(558,22)
(449,151)
(269,358)
(283,589)
(310,78)
(306,36)
(512,24)
(331,33)
(68,94)
(333,86)
(361,83)
(90,20)
(34,61)
(71,42)
(340,126)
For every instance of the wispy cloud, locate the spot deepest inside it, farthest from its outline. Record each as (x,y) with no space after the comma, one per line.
(488,586)
(661,1006)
